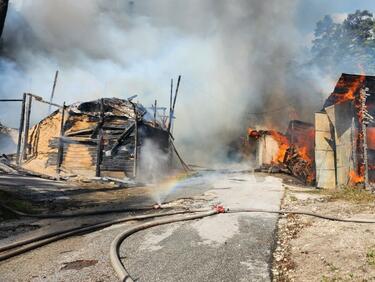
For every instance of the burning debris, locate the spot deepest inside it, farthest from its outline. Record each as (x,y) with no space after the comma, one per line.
(345,149)
(292,152)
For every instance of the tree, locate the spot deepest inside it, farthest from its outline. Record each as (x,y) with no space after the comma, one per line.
(345,47)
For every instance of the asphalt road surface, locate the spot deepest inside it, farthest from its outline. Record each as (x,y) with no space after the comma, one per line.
(224,247)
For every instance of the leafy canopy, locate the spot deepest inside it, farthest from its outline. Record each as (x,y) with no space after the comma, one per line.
(345,47)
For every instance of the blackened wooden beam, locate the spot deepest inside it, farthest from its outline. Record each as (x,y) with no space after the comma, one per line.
(27,127)
(122,137)
(20,131)
(60,150)
(11,100)
(135,168)
(99,148)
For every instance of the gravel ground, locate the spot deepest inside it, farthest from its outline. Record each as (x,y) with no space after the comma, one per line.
(312,249)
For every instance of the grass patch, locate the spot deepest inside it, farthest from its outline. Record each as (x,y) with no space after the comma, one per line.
(370,256)
(348,194)
(354,195)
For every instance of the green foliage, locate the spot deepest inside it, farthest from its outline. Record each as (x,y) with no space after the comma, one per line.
(345,47)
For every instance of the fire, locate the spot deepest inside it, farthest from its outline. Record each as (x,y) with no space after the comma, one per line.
(303,152)
(350,94)
(371,138)
(283,146)
(253,133)
(355,178)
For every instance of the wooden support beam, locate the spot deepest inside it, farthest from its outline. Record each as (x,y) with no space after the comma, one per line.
(99,154)
(53,90)
(11,100)
(40,99)
(155,110)
(173,105)
(135,168)
(99,148)
(60,151)
(20,131)
(27,127)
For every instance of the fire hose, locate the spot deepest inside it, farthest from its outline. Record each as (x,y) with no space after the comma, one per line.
(38,241)
(44,239)
(114,252)
(79,214)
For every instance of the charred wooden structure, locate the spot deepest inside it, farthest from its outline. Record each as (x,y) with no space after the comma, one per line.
(104,137)
(345,134)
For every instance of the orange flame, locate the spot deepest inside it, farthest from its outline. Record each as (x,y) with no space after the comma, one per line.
(283,146)
(355,178)
(350,94)
(371,138)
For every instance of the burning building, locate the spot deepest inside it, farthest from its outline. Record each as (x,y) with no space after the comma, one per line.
(105,137)
(292,152)
(345,136)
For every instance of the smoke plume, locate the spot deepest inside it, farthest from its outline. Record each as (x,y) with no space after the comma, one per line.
(235,57)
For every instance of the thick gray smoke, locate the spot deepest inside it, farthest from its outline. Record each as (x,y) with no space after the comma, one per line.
(235,57)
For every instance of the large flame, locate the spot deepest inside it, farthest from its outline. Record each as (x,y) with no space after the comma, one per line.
(355,178)
(283,146)
(350,94)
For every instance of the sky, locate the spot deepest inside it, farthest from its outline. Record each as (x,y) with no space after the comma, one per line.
(310,11)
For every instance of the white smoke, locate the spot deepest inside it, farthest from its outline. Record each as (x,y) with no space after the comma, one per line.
(235,57)
(153,164)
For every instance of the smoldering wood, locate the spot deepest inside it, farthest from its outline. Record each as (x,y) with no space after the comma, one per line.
(20,131)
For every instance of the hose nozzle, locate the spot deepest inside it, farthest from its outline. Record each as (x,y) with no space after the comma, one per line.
(219,208)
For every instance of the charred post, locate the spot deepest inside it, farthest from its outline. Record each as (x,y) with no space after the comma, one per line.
(27,128)
(20,131)
(60,151)
(99,148)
